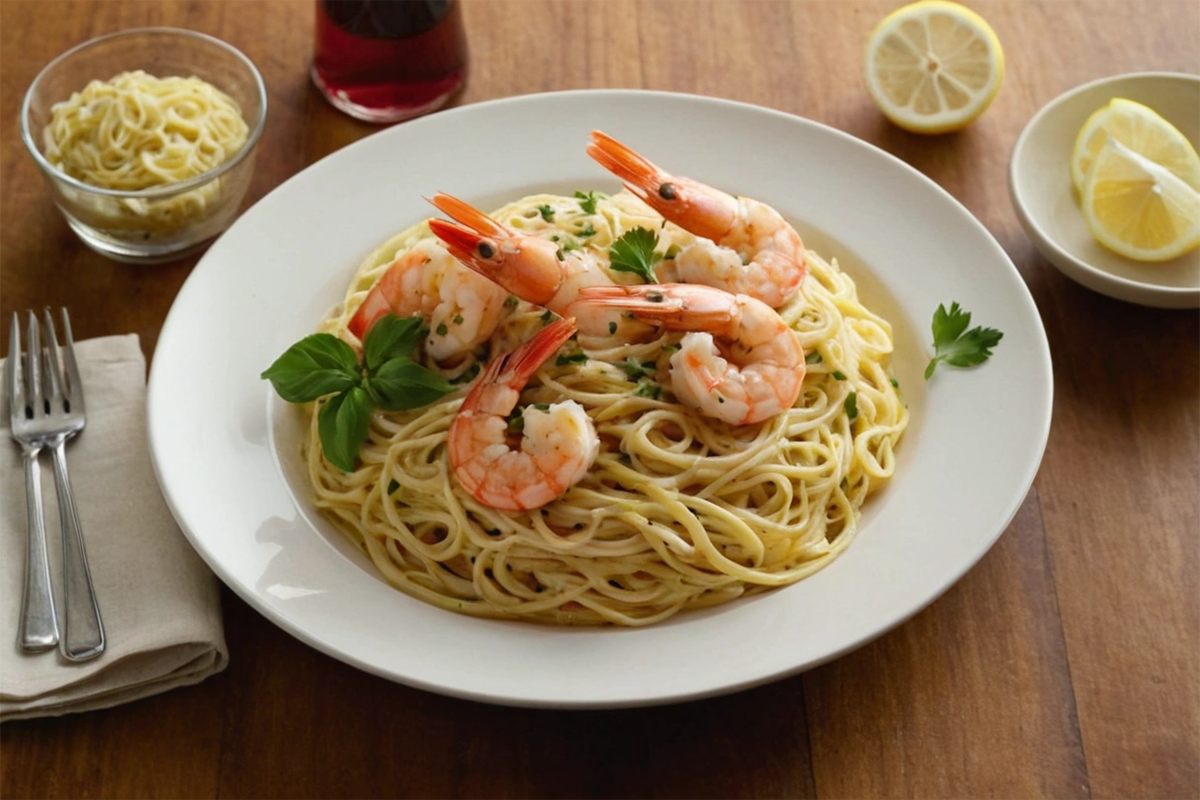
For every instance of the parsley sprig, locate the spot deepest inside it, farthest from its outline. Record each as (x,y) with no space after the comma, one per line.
(634,252)
(956,345)
(387,377)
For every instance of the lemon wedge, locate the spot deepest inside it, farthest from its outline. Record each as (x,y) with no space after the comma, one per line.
(1137,208)
(1141,130)
(933,66)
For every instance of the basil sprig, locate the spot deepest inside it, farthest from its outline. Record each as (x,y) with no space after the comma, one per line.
(386,378)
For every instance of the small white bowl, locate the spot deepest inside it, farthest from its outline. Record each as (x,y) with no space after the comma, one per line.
(1039,179)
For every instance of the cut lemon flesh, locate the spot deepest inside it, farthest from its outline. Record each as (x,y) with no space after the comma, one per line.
(1139,209)
(933,66)
(1141,130)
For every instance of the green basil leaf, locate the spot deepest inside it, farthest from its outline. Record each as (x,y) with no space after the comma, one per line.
(342,425)
(401,384)
(313,367)
(392,337)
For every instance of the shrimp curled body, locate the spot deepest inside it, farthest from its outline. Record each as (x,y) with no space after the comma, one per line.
(558,442)
(739,362)
(744,246)
(462,308)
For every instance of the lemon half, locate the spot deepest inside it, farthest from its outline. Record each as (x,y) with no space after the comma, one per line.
(1138,208)
(1141,130)
(933,66)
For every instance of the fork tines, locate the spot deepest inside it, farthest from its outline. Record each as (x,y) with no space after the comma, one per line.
(35,377)
(68,391)
(23,373)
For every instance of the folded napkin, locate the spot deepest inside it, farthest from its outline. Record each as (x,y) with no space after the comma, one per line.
(159,602)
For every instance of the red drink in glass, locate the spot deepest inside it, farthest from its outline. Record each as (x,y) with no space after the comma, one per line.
(389,60)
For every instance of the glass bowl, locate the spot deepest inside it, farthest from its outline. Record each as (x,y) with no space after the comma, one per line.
(162,223)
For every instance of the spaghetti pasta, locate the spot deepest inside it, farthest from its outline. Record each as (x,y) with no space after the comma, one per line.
(136,132)
(678,511)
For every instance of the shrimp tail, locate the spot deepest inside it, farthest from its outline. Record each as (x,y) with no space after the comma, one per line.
(366,316)
(474,228)
(377,304)
(469,216)
(677,306)
(461,242)
(526,266)
(639,175)
(524,361)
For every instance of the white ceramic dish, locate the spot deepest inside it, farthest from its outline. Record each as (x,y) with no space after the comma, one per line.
(1040,183)
(226,452)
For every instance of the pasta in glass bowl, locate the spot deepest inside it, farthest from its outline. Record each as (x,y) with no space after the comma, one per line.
(146,139)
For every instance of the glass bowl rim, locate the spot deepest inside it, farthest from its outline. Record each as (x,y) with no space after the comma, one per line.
(154,192)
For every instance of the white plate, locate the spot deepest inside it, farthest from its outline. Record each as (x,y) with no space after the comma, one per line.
(225,451)
(1039,179)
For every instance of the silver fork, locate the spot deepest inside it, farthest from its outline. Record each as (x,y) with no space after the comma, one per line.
(56,417)
(84,635)
(39,623)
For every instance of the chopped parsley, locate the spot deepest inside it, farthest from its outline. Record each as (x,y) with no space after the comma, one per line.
(648,389)
(468,374)
(546,211)
(813,358)
(636,370)
(571,358)
(587,202)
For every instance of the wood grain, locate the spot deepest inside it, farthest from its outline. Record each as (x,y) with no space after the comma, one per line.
(1066,664)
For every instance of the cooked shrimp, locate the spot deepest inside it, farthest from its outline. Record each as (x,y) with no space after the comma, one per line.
(558,442)
(740,362)
(744,246)
(532,268)
(462,308)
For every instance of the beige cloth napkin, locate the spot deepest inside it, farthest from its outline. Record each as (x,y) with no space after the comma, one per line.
(159,602)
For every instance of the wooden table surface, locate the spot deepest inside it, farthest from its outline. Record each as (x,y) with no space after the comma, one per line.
(1066,664)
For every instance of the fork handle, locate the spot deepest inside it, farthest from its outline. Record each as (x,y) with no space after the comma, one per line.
(84,635)
(39,625)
